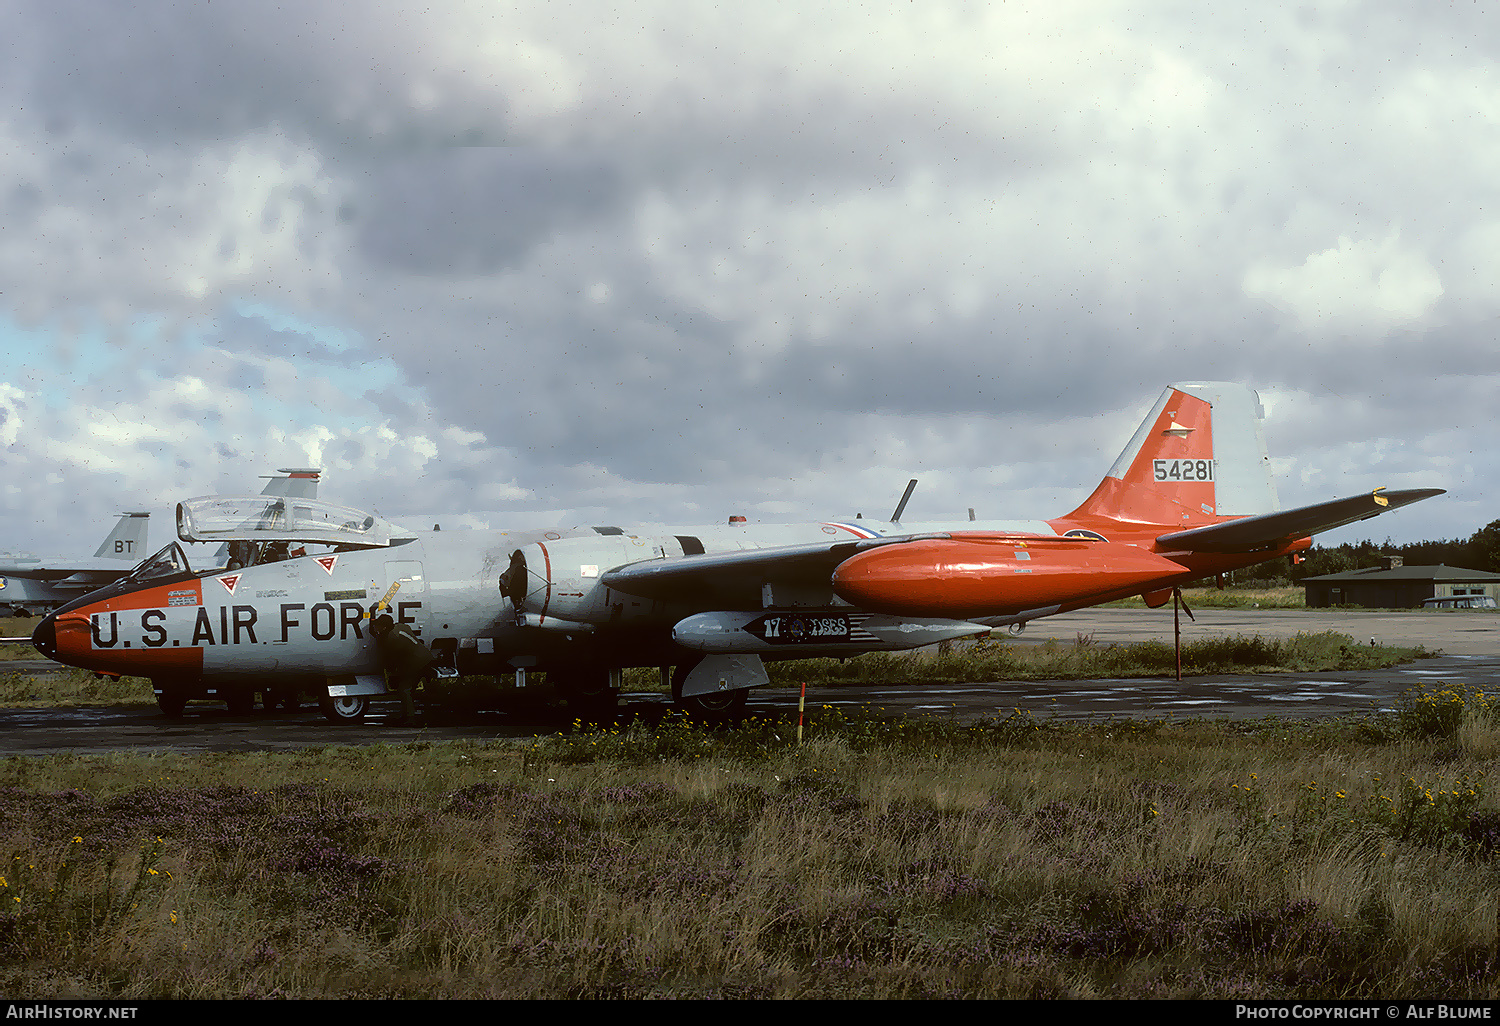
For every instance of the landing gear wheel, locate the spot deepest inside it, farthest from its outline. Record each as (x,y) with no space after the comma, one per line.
(241,703)
(171,700)
(714,707)
(345,708)
(588,692)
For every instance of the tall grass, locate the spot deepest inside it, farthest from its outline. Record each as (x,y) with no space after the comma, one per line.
(70,687)
(881,858)
(998,660)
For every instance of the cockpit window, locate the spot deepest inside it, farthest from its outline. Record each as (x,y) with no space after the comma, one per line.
(169,561)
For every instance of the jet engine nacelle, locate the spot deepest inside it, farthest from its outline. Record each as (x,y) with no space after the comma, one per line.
(561,579)
(978,575)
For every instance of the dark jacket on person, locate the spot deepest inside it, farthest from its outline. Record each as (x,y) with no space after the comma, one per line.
(402,652)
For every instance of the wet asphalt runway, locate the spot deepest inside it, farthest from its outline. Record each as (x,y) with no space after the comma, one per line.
(1470,641)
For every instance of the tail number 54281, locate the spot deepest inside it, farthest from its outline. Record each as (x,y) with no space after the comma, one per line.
(1183,470)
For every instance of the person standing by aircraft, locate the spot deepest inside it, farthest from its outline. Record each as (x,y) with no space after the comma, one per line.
(406,659)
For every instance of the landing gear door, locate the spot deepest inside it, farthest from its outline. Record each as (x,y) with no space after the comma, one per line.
(408,600)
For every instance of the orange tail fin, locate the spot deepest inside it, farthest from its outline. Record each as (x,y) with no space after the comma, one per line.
(1198,457)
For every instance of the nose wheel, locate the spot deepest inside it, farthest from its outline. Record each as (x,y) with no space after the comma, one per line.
(171,698)
(344,708)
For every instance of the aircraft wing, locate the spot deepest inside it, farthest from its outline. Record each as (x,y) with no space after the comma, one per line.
(1269,529)
(90,580)
(735,578)
(81,573)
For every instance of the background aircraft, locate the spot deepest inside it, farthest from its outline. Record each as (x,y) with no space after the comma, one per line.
(299,483)
(35,584)
(1190,495)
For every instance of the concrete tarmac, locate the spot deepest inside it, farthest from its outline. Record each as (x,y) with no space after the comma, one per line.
(1454,632)
(1469,639)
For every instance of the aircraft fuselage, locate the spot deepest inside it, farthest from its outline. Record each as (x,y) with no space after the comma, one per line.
(307,618)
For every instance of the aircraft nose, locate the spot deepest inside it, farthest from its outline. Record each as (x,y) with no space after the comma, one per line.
(44,638)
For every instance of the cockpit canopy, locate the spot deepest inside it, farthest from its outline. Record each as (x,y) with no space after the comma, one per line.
(169,562)
(261,518)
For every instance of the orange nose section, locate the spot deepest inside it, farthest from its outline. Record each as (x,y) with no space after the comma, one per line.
(970,576)
(69,637)
(117,636)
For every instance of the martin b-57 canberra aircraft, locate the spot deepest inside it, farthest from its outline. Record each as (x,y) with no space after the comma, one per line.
(1190,496)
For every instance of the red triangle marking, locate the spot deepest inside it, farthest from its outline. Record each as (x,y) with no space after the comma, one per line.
(326,562)
(229,582)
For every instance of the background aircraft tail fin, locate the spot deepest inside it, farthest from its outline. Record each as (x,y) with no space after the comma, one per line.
(1199,455)
(299,483)
(127,540)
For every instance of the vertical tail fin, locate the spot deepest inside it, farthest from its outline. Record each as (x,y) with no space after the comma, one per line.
(299,483)
(1199,456)
(127,540)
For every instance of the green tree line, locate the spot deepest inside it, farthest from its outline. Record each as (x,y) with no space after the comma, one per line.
(1481,551)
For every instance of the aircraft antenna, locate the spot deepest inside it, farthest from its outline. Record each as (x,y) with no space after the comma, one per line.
(911,486)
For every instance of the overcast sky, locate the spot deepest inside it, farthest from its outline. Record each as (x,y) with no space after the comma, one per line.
(555,264)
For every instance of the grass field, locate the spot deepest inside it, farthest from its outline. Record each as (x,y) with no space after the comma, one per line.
(984,662)
(1136,859)
(17,627)
(1230,598)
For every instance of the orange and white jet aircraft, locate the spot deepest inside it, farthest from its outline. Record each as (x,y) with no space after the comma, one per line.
(1190,496)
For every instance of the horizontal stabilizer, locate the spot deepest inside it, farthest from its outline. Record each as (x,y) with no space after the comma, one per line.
(1270,529)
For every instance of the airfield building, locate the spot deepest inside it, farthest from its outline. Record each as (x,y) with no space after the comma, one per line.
(1395,586)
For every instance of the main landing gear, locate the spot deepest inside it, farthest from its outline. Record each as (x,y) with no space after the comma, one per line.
(714,707)
(592,692)
(344,708)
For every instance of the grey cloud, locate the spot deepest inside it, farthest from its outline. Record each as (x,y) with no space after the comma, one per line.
(253,335)
(350,450)
(389,403)
(213,71)
(1130,217)
(246,377)
(476,210)
(182,411)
